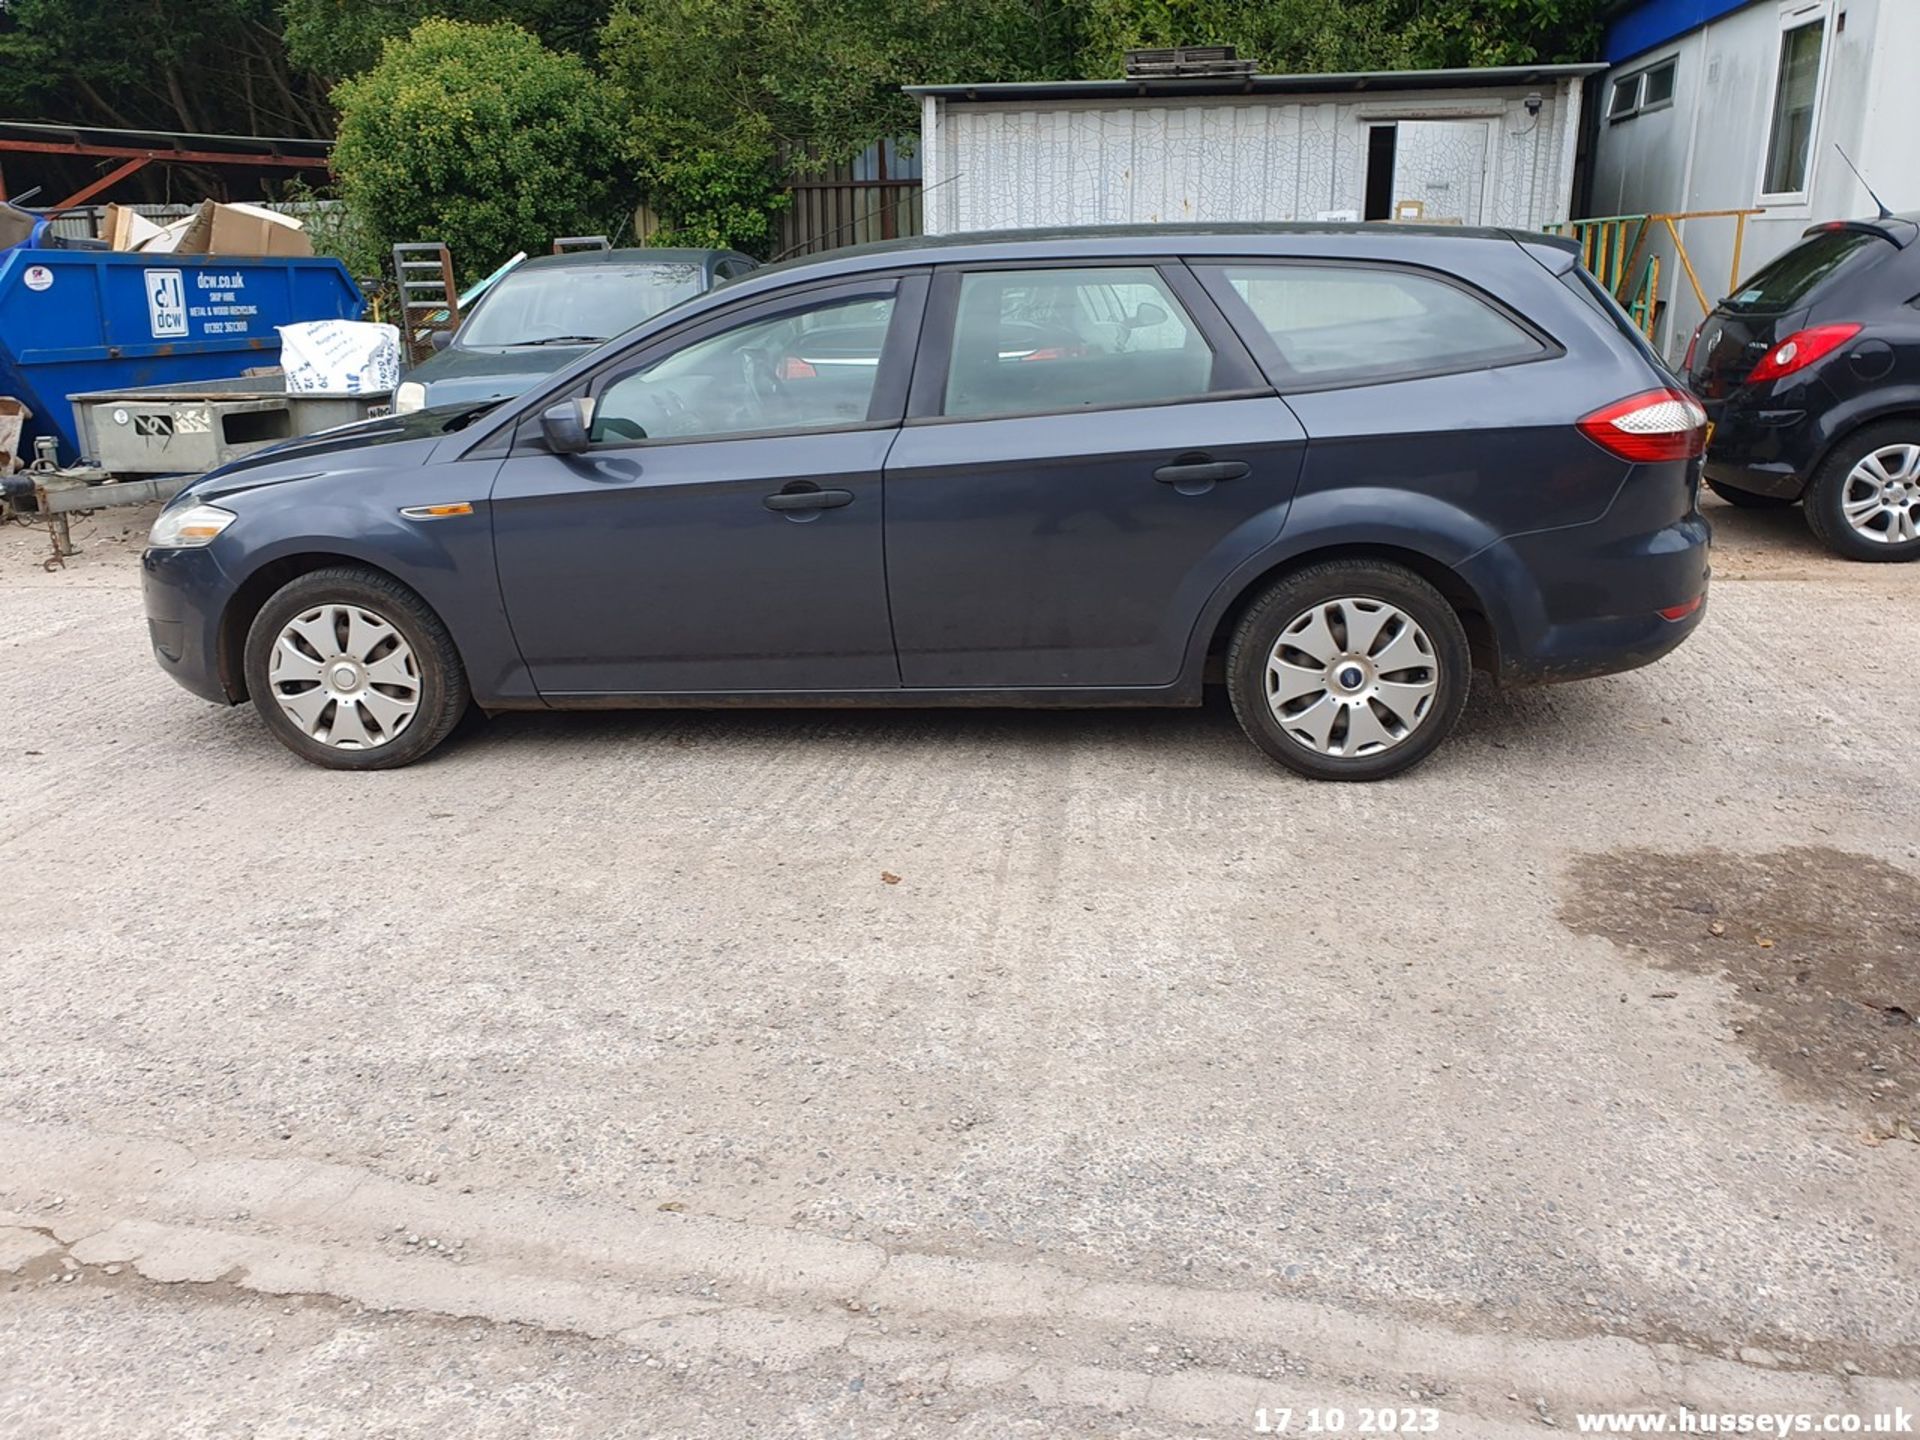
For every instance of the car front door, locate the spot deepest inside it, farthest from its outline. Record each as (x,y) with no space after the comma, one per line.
(722,532)
(1090,451)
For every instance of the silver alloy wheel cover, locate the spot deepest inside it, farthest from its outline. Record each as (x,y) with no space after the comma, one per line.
(1352,677)
(1884,487)
(345,676)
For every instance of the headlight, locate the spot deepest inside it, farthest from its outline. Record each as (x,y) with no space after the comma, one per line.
(408,396)
(184,529)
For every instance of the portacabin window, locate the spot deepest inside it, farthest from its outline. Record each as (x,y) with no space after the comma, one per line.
(1658,87)
(1796,97)
(1649,88)
(1625,99)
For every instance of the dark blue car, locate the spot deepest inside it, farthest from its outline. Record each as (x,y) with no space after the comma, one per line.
(1335,468)
(1810,374)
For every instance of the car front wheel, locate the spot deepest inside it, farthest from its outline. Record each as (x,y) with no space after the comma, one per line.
(1349,670)
(1865,500)
(353,671)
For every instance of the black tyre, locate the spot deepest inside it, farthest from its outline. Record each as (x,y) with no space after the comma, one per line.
(1748,499)
(1864,501)
(1349,670)
(350,669)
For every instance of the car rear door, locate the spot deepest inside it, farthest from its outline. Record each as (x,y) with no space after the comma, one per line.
(1089,451)
(723,531)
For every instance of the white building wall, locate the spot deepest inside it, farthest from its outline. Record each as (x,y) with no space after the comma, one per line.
(1706,151)
(1003,165)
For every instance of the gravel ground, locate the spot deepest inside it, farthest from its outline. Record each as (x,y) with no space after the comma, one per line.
(1062,1000)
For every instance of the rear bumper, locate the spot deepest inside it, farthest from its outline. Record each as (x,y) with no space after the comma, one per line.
(1582,649)
(185,592)
(1780,480)
(1766,443)
(1586,600)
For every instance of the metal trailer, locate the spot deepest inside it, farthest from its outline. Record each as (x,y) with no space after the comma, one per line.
(146,443)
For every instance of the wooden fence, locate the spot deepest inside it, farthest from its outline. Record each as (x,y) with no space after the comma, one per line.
(875,196)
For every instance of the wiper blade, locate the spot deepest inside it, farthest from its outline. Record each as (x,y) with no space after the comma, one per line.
(567,340)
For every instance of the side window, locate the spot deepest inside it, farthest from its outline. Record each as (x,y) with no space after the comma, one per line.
(805,370)
(1029,342)
(1796,87)
(1625,99)
(1351,324)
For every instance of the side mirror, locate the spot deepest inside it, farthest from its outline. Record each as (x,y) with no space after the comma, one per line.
(1146,316)
(564,424)
(440,340)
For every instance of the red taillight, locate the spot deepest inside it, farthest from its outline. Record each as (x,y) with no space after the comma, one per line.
(1681,611)
(1686,365)
(1800,350)
(1652,426)
(794,368)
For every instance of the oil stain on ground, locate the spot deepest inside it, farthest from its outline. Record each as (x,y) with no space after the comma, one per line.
(1823,948)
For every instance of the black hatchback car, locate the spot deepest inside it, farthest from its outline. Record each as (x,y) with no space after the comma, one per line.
(1810,374)
(1334,467)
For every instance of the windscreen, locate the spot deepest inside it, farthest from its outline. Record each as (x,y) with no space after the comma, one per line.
(577,304)
(1788,281)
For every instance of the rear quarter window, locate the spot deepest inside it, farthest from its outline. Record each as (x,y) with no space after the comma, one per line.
(1602,303)
(1329,325)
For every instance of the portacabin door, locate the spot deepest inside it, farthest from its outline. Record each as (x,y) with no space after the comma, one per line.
(723,531)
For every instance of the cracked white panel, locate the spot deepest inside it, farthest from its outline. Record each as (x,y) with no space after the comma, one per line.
(1477,157)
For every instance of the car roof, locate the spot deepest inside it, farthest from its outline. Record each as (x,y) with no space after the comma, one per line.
(633,255)
(1106,241)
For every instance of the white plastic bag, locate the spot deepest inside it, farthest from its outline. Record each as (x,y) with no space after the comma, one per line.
(340,357)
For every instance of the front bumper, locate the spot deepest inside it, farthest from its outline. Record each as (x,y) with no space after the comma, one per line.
(185,593)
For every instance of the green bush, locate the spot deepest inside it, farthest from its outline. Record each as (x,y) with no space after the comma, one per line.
(479,136)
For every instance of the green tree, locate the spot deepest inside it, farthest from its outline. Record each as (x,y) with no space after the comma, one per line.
(479,136)
(726,100)
(1300,36)
(201,65)
(339,38)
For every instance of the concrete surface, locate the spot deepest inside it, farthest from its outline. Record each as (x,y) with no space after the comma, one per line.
(593,1078)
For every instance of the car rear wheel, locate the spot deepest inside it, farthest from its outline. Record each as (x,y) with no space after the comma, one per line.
(1748,499)
(353,671)
(1865,500)
(1349,670)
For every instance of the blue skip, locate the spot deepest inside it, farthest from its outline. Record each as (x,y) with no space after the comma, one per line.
(76,320)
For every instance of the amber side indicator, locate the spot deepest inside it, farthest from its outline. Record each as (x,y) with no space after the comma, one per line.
(437,512)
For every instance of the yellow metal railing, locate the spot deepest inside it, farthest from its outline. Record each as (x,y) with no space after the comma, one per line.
(1612,247)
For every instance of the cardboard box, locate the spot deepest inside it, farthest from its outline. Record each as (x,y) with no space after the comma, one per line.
(242,230)
(127,229)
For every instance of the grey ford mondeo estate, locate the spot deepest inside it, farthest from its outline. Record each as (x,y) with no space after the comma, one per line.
(1336,468)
